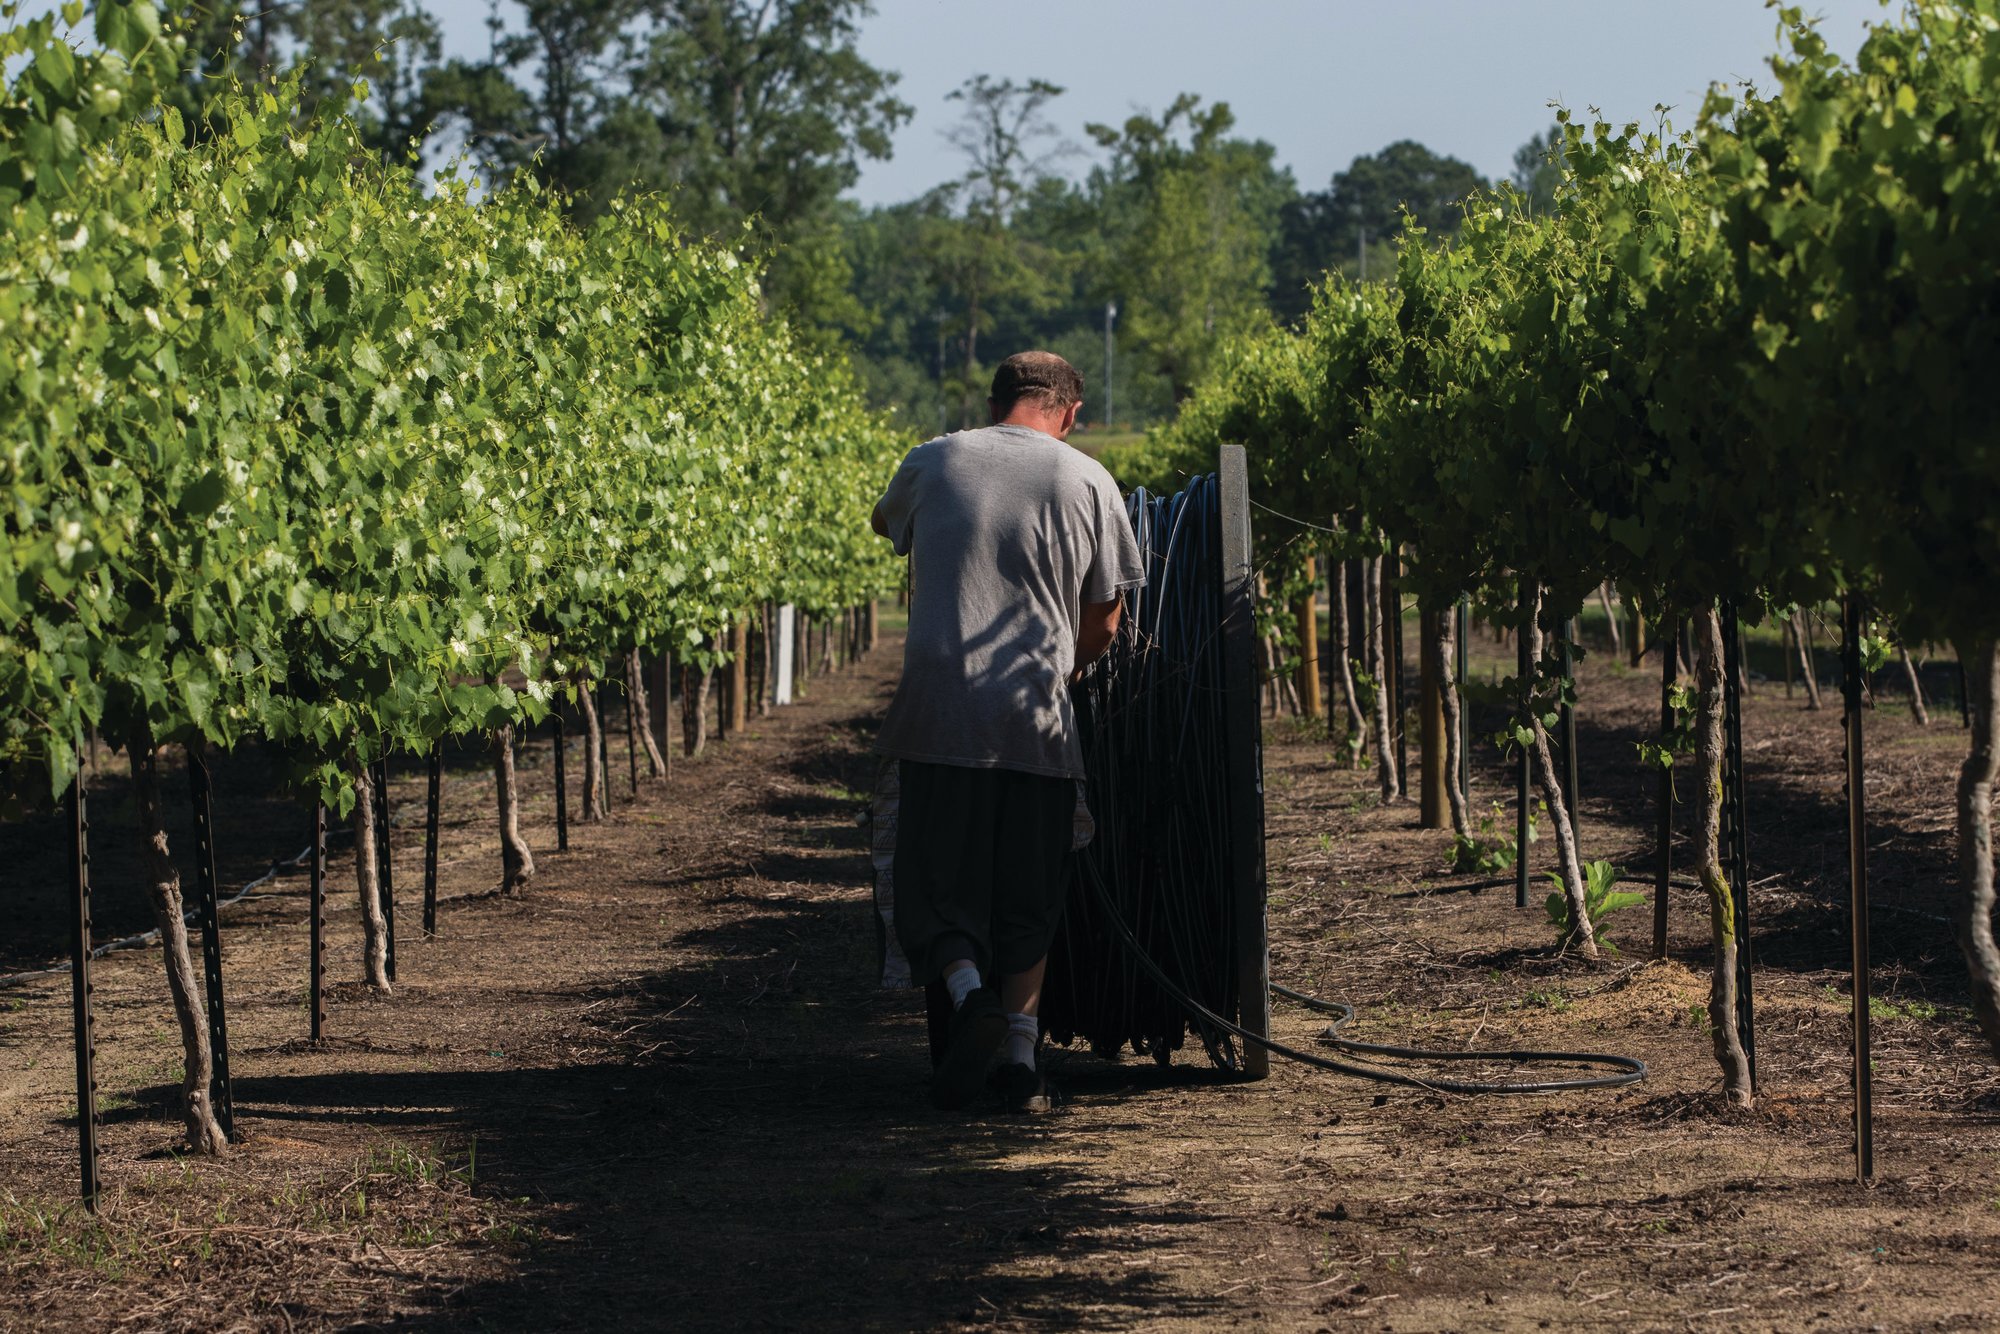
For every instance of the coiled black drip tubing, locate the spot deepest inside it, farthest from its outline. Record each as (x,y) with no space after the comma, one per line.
(1147,945)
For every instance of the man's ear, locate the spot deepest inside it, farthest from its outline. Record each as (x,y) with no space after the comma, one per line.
(1069,417)
(992,412)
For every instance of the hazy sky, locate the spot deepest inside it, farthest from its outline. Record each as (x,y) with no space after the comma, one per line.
(1322,80)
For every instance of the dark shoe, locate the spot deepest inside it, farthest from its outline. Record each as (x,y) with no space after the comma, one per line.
(1022,1089)
(978,1027)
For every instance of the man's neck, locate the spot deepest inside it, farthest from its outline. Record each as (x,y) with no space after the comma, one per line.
(1047,424)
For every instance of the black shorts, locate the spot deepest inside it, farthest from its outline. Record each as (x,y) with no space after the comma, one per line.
(980,861)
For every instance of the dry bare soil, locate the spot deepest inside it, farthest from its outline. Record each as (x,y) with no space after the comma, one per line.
(660,1090)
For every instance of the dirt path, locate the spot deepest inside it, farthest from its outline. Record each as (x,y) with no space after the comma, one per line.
(659,1090)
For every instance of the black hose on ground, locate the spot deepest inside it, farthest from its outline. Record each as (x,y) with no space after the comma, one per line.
(1146,951)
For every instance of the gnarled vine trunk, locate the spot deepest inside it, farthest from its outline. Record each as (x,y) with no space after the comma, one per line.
(1975,834)
(163,890)
(1569,862)
(642,713)
(1729,1052)
(695,682)
(517,862)
(1611,620)
(595,800)
(1806,669)
(1455,794)
(1343,661)
(1917,709)
(368,880)
(1386,776)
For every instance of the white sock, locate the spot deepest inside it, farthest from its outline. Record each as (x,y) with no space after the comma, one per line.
(1022,1030)
(961,980)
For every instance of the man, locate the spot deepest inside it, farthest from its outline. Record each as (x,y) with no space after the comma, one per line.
(1022,551)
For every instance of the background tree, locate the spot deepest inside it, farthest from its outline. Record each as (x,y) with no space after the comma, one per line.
(1538,169)
(1351,226)
(1194,213)
(762,111)
(976,258)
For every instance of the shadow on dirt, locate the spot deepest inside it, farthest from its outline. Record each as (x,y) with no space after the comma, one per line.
(784,1169)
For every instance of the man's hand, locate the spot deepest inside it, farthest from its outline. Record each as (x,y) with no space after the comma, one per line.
(1100,627)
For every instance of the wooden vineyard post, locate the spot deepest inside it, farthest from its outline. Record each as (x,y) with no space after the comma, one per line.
(1571,632)
(1246,760)
(739,677)
(208,913)
(1525,673)
(316,913)
(1735,836)
(1310,701)
(83,1017)
(384,863)
(1430,721)
(562,785)
(1669,677)
(1857,893)
(659,685)
(433,786)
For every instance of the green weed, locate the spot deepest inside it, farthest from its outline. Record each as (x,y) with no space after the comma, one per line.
(1600,900)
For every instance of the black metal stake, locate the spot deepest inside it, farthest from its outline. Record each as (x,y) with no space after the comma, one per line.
(632,736)
(1857,880)
(436,779)
(1669,677)
(1525,669)
(385,862)
(1736,842)
(85,1022)
(317,915)
(208,912)
(562,787)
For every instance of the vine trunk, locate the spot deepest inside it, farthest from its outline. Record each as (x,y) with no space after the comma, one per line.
(1975,833)
(517,862)
(594,797)
(368,881)
(163,888)
(1728,1039)
(1569,863)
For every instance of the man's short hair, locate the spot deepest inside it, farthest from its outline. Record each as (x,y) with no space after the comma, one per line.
(1040,377)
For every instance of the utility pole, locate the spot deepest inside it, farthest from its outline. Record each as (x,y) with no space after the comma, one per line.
(1110,314)
(939,316)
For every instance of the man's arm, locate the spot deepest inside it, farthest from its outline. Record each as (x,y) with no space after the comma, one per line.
(878,523)
(1099,628)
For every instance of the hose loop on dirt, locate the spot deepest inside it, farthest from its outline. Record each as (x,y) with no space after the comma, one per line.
(1154,715)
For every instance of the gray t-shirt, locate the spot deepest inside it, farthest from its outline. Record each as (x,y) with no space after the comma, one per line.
(1013,532)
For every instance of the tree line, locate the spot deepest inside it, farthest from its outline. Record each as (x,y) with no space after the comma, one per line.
(755,117)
